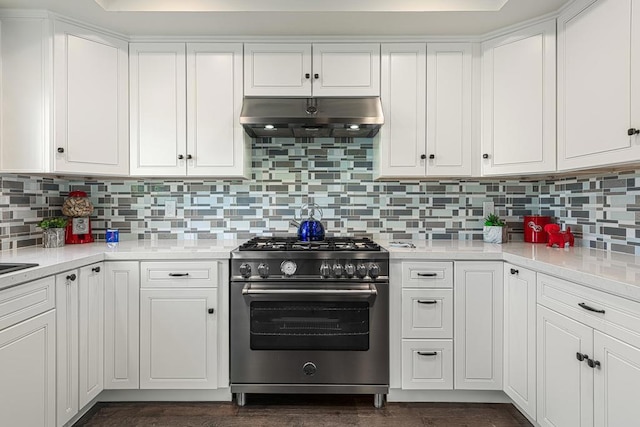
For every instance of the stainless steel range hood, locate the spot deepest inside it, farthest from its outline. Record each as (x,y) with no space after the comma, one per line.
(312,117)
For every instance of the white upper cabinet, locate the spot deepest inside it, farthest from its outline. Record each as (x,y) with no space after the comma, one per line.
(321,69)
(519,102)
(426,99)
(91,113)
(26,95)
(598,83)
(158,109)
(185,109)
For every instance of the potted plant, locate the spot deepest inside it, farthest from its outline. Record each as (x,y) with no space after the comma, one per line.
(53,231)
(494,230)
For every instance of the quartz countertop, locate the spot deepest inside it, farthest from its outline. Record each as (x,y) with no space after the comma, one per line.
(611,272)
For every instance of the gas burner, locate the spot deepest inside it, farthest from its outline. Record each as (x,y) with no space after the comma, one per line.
(293,244)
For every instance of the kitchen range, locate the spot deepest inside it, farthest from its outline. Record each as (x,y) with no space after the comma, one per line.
(309,317)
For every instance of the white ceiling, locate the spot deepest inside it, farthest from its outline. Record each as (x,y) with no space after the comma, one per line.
(337,23)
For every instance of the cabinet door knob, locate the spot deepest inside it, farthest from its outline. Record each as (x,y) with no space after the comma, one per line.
(432,156)
(211,311)
(189,157)
(581,356)
(60,150)
(423,156)
(316,76)
(485,156)
(96,269)
(514,271)
(71,277)
(307,76)
(633,131)
(593,363)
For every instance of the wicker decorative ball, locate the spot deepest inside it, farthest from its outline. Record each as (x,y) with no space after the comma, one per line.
(77,205)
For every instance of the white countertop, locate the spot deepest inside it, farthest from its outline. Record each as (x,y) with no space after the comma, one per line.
(610,272)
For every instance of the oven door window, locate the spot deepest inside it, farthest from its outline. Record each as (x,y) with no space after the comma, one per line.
(291,325)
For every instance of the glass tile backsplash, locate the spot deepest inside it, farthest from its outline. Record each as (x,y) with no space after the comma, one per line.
(602,209)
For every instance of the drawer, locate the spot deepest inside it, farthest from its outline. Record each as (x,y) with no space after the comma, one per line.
(24,301)
(427,313)
(600,310)
(427,364)
(181,274)
(427,274)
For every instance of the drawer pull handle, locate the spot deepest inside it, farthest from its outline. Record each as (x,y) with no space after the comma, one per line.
(581,356)
(428,353)
(178,274)
(427,302)
(514,271)
(586,307)
(427,274)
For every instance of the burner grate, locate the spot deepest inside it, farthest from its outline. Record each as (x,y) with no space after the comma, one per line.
(293,244)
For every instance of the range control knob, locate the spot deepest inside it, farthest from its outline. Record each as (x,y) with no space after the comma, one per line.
(325,270)
(337,269)
(361,271)
(288,267)
(245,270)
(374,270)
(263,270)
(349,270)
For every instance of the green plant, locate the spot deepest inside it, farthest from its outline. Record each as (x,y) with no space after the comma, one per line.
(493,220)
(56,222)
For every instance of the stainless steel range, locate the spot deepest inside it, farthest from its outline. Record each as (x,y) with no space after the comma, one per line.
(310,317)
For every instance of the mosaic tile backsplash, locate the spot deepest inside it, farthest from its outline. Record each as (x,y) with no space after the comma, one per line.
(602,209)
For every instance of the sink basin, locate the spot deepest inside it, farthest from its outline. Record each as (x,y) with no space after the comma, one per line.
(6,267)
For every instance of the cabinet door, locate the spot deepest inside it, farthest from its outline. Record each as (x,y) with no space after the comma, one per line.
(478,297)
(122,325)
(26,95)
(519,102)
(565,384)
(91,332)
(598,84)
(449,74)
(282,69)
(520,337)
(615,382)
(341,69)
(91,102)
(158,109)
(400,145)
(178,340)
(216,142)
(67,345)
(28,372)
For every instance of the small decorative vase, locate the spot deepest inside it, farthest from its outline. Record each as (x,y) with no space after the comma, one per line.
(494,234)
(53,237)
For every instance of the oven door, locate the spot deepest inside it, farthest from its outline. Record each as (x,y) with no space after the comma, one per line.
(302,333)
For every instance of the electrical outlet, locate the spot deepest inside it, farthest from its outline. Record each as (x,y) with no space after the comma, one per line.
(170,209)
(488,208)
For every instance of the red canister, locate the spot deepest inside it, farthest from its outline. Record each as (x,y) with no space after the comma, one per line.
(534,228)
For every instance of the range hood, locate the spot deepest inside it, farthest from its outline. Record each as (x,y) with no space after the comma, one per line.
(311,117)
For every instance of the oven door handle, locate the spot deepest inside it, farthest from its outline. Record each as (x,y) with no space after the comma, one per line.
(372,291)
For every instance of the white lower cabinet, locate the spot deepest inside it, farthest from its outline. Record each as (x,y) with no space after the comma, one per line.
(427,364)
(80,338)
(588,351)
(122,325)
(478,320)
(28,372)
(520,337)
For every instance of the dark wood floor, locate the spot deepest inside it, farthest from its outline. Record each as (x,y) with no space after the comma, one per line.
(303,410)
